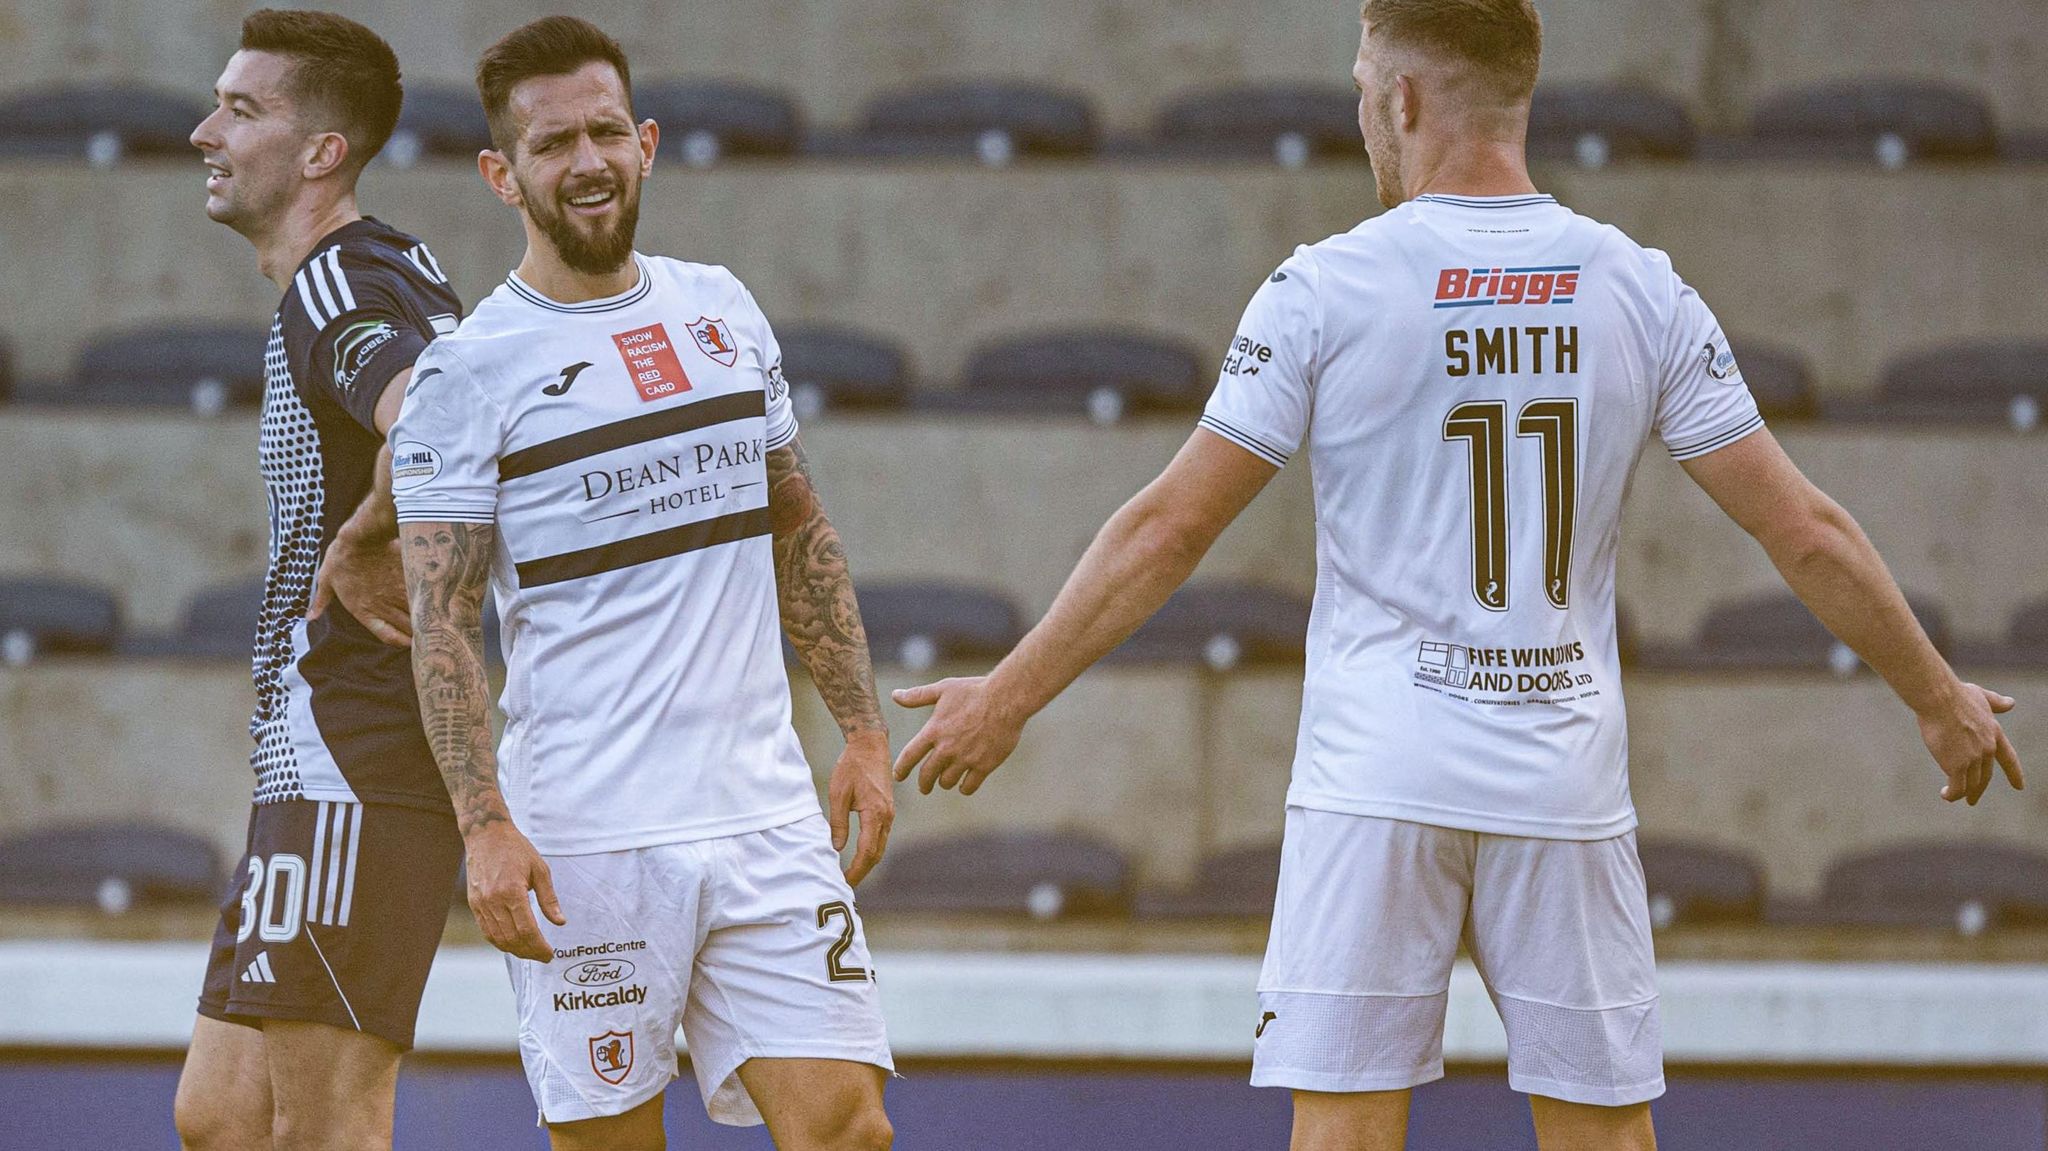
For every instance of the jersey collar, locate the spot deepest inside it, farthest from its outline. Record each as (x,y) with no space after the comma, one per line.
(1522,201)
(625,299)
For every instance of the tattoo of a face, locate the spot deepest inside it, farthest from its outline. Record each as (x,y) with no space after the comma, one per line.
(447,566)
(814,585)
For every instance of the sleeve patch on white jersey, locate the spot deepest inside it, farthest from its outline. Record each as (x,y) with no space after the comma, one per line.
(413,465)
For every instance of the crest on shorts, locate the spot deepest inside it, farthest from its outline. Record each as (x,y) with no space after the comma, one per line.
(714,339)
(611,1056)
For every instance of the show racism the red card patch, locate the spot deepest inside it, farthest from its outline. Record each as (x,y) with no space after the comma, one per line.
(651,362)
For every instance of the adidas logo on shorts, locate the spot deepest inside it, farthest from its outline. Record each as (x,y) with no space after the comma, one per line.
(259,971)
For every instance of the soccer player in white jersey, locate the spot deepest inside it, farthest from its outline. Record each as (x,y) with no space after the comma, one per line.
(1475,373)
(608,441)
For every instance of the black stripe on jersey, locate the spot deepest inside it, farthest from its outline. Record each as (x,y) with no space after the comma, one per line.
(1245,440)
(638,430)
(644,549)
(1694,451)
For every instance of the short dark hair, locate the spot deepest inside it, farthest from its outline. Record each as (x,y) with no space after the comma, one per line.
(1500,39)
(550,46)
(342,73)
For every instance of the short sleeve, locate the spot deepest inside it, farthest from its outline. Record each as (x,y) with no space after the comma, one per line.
(1264,393)
(445,445)
(781,412)
(365,331)
(1702,403)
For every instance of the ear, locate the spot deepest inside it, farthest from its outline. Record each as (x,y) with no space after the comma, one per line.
(325,154)
(650,136)
(1407,102)
(496,169)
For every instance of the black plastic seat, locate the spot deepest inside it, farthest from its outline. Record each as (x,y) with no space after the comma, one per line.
(2023,647)
(1594,125)
(1969,381)
(1966,887)
(1238,883)
(112,866)
(206,368)
(438,121)
(918,623)
(993,122)
(703,122)
(1046,876)
(219,622)
(832,368)
(1776,632)
(1221,626)
(1289,124)
(6,370)
(1779,378)
(1894,122)
(103,123)
(1105,374)
(1690,882)
(42,616)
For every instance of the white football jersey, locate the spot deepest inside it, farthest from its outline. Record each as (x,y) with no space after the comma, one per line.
(619,446)
(1475,379)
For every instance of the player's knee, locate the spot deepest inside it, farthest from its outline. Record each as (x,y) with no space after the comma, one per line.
(317,1128)
(210,1125)
(864,1128)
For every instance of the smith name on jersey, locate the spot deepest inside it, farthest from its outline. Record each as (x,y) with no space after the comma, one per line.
(620,448)
(336,717)
(1475,379)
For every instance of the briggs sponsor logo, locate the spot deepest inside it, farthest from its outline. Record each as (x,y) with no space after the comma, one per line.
(586,1000)
(598,973)
(1484,287)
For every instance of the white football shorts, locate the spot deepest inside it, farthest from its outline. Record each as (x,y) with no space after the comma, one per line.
(749,942)
(1366,926)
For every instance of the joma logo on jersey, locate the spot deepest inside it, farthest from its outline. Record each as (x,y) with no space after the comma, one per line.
(1482,287)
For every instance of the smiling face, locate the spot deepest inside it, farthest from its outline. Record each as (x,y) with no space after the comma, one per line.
(253,144)
(577,164)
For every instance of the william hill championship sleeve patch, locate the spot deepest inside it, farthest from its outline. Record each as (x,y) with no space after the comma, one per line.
(413,465)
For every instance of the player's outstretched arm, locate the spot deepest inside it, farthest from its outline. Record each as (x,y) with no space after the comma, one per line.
(821,617)
(1146,550)
(446,568)
(362,568)
(1830,564)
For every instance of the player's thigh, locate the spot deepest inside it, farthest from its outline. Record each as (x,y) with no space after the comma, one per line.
(1366,924)
(821,1104)
(1350,1121)
(638,1129)
(1560,932)
(1562,1126)
(223,1101)
(331,1086)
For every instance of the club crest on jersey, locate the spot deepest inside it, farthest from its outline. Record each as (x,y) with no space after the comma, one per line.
(1484,287)
(714,339)
(651,362)
(611,1056)
(1720,361)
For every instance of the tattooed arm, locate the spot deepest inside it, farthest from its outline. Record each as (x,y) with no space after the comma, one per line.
(822,620)
(446,568)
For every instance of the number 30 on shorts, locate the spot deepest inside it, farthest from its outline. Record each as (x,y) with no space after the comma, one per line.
(834,969)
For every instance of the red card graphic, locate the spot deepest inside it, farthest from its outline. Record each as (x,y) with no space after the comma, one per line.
(651,362)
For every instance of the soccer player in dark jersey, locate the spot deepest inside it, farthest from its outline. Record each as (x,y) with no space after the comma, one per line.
(326,936)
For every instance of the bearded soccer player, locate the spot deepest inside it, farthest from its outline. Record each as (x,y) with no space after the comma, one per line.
(608,441)
(1475,373)
(323,946)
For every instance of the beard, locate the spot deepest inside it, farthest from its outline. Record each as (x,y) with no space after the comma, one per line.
(592,254)
(1383,149)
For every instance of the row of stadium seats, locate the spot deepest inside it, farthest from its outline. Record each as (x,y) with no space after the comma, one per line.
(1890,122)
(918,624)
(1962,887)
(1105,374)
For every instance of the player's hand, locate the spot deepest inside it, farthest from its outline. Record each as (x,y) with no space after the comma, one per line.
(969,735)
(368,577)
(503,867)
(1966,740)
(861,786)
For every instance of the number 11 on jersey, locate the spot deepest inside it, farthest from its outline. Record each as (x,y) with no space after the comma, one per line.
(1554,424)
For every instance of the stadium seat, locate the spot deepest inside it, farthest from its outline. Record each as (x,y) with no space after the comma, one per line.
(206,368)
(112,866)
(1779,378)
(1289,124)
(6,370)
(1105,374)
(917,624)
(1594,125)
(40,616)
(2024,647)
(219,623)
(1222,626)
(1775,632)
(104,123)
(995,123)
(438,121)
(1691,883)
(1969,381)
(1891,121)
(2024,147)
(1967,887)
(703,122)
(1238,883)
(833,369)
(1044,876)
